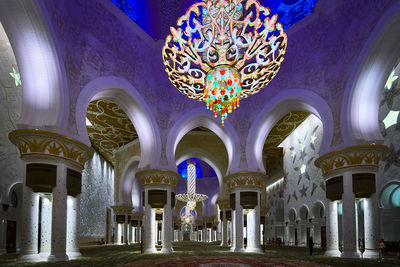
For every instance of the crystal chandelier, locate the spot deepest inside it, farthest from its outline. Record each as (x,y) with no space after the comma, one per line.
(224,50)
(191,197)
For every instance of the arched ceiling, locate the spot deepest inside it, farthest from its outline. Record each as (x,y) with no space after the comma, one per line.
(283,128)
(108,127)
(155,17)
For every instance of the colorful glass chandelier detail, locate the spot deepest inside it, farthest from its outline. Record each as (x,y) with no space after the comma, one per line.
(224,50)
(191,197)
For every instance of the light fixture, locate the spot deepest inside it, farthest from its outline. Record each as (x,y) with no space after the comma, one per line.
(191,197)
(224,50)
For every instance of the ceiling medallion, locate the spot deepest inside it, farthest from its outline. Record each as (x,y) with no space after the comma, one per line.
(224,50)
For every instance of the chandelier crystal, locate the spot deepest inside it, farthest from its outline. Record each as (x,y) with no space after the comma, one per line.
(224,50)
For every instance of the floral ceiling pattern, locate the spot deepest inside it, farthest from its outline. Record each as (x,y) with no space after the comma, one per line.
(108,127)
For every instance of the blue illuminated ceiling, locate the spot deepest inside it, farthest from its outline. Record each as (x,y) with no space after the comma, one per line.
(156,16)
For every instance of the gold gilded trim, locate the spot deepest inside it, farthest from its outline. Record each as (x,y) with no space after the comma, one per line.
(245,179)
(361,155)
(38,142)
(122,209)
(158,176)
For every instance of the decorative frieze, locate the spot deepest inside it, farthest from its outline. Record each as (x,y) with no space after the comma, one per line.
(158,177)
(245,180)
(362,155)
(38,142)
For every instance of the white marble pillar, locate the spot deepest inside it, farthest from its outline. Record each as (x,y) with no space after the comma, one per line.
(137,233)
(3,235)
(130,241)
(73,220)
(224,222)
(149,225)
(233,230)
(253,229)
(349,227)
(167,226)
(45,222)
(371,227)
(126,230)
(30,224)
(332,230)
(317,235)
(239,242)
(117,233)
(59,217)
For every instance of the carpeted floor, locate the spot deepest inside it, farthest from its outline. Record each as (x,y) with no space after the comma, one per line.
(196,254)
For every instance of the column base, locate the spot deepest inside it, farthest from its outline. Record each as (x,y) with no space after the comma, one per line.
(30,257)
(74,255)
(238,250)
(371,254)
(149,250)
(44,255)
(167,250)
(254,250)
(58,257)
(350,254)
(332,253)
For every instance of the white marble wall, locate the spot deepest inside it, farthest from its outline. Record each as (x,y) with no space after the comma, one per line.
(305,185)
(97,194)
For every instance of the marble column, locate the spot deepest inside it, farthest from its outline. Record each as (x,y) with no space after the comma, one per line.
(233,230)
(371,227)
(30,224)
(224,242)
(150,229)
(239,242)
(3,235)
(59,217)
(117,232)
(167,226)
(45,222)
(253,228)
(332,230)
(73,220)
(349,227)
(126,230)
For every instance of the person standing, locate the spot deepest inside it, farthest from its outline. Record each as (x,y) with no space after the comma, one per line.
(381,249)
(311,244)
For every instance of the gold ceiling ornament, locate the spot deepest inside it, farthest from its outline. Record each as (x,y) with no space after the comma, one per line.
(284,127)
(110,127)
(158,176)
(248,180)
(354,156)
(224,50)
(38,142)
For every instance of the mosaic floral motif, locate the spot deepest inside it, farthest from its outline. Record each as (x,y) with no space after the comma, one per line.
(97,195)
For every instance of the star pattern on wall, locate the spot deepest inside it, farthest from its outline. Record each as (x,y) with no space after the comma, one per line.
(303,191)
(16,76)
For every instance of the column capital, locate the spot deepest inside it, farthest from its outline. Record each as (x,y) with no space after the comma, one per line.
(136,216)
(158,177)
(246,181)
(367,156)
(122,210)
(224,203)
(43,143)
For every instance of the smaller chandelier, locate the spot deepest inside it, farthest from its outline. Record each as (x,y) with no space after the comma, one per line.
(191,197)
(224,50)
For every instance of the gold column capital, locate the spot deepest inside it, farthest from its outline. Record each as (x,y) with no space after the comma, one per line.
(158,177)
(37,142)
(246,180)
(354,156)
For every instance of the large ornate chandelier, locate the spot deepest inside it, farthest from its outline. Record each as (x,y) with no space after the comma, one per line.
(191,197)
(223,51)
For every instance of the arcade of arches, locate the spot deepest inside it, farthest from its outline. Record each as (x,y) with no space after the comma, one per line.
(95,140)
